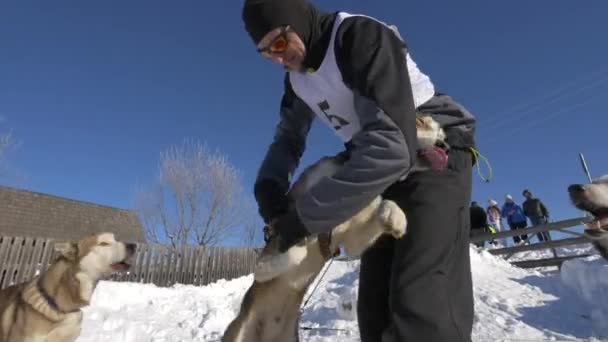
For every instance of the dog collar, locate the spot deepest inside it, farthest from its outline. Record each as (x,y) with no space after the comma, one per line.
(269,233)
(324,240)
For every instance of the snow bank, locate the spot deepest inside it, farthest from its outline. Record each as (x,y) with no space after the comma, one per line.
(588,278)
(518,304)
(510,304)
(129,312)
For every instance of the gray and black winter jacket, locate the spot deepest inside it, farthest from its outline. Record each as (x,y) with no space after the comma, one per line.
(371,60)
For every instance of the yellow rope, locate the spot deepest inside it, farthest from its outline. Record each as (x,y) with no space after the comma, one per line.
(477,155)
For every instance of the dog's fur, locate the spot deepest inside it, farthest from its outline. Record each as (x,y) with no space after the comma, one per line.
(47,307)
(593,198)
(269,311)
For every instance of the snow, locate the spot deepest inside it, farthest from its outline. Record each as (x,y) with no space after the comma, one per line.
(589,280)
(511,304)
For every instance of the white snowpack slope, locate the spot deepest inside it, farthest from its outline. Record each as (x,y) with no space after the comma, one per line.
(511,304)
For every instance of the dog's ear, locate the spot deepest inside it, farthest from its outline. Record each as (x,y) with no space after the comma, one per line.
(68,250)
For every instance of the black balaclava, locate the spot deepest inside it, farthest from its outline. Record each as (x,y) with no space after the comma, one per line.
(311,24)
(263,16)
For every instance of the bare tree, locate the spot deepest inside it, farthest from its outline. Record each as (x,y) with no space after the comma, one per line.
(7,144)
(197,199)
(253,229)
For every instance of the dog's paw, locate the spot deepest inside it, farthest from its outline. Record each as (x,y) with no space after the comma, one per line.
(271,266)
(393,218)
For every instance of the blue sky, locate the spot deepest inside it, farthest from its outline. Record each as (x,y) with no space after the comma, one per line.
(95,90)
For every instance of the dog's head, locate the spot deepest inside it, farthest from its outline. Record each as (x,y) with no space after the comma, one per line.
(429,131)
(98,255)
(593,198)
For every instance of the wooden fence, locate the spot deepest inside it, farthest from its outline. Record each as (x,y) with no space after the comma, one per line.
(21,258)
(556,260)
(508,252)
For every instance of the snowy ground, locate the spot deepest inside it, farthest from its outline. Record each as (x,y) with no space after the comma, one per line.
(511,304)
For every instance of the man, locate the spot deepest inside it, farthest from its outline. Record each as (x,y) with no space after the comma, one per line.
(515,218)
(479,222)
(536,211)
(354,74)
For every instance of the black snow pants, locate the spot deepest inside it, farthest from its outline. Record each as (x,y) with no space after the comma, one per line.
(419,288)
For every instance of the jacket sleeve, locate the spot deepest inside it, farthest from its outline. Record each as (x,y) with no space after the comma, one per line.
(372,62)
(289,142)
(543,209)
(520,211)
(526,208)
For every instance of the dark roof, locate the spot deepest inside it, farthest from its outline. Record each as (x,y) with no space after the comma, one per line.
(28,213)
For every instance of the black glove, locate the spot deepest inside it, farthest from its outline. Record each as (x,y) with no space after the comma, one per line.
(289,229)
(271,199)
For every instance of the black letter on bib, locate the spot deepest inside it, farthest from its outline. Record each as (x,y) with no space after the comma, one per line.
(324,106)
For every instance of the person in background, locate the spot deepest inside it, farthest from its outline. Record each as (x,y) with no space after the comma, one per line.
(495,219)
(515,218)
(479,222)
(536,211)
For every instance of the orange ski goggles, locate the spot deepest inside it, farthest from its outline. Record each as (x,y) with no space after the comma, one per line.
(278,45)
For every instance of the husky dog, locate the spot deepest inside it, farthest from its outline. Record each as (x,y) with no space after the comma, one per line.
(269,311)
(47,307)
(593,198)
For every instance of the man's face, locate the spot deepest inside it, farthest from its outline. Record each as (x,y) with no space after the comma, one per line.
(527,195)
(283,46)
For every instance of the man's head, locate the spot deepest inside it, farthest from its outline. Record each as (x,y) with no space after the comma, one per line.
(527,194)
(509,198)
(279,29)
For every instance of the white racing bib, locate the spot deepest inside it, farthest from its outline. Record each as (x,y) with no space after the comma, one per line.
(333,102)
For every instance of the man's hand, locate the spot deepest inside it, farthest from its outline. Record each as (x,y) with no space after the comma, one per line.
(289,230)
(271,200)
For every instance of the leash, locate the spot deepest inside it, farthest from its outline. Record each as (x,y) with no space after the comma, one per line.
(300,328)
(316,285)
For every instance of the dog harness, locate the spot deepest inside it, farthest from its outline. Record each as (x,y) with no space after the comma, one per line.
(332,101)
(34,292)
(50,301)
(324,240)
